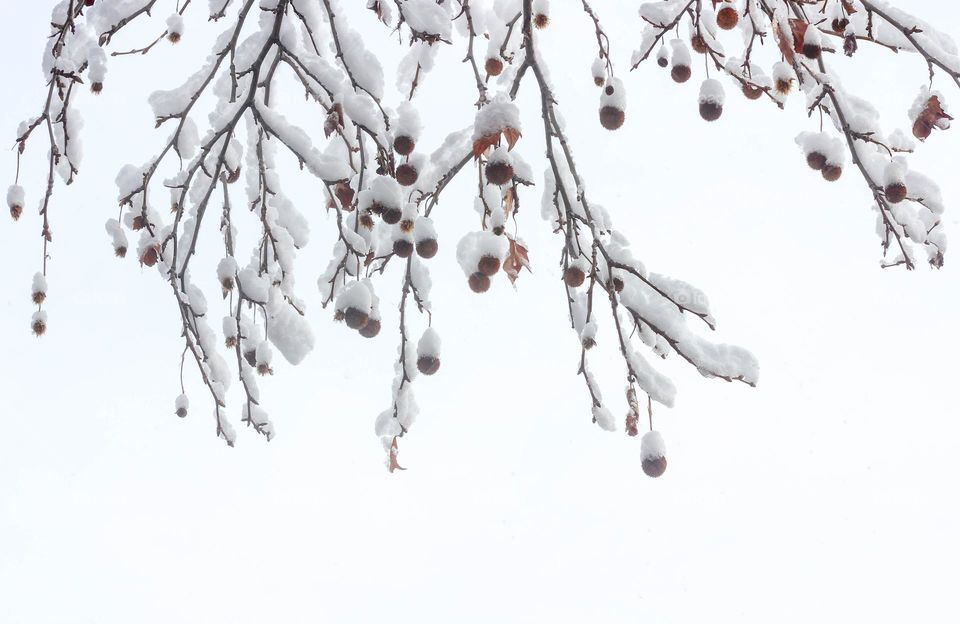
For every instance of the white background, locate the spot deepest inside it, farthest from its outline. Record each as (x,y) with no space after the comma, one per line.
(828,493)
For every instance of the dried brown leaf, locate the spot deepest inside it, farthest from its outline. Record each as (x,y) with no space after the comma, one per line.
(798,29)
(517,259)
(785,48)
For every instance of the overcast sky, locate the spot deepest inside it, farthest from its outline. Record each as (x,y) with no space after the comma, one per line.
(827,493)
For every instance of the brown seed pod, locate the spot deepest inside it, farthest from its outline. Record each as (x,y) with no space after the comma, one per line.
(574,276)
(540,20)
(120,252)
(488,265)
(611,117)
(618,284)
(264,369)
(391,215)
(366,221)
(493,66)
(181,412)
(371,329)
(698,44)
(354,318)
(662,61)
(96,87)
(710,111)
(38,297)
(479,283)
(499,172)
(784,86)
(15,212)
(751,92)
(831,173)
(816,160)
(138,223)
(427,248)
(173,37)
(404,145)
(681,73)
(39,327)
(727,18)
(407,174)
(403,247)
(149,255)
(428,364)
(921,130)
(811,51)
(896,192)
(406,226)
(839,25)
(599,80)
(654,466)
(232,175)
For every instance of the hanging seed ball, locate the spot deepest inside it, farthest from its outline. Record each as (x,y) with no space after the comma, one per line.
(896,192)
(540,20)
(354,318)
(921,129)
(618,284)
(752,92)
(574,276)
(611,117)
(404,145)
(698,44)
(428,364)
(403,248)
(711,99)
(488,265)
(839,25)
(816,160)
(493,66)
(654,467)
(499,172)
(710,111)
(479,283)
(391,215)
(611,106)
(407,174)
(39,327)
(366,221)
(371,329)
(653,454)
(427,248)
(681,73)
(96,87)
(149,256)
(831,173)
(727,18)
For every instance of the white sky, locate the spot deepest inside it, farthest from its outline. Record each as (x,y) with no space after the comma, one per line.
(824,494)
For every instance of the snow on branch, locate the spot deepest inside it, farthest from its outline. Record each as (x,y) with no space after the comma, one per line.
(384,185)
